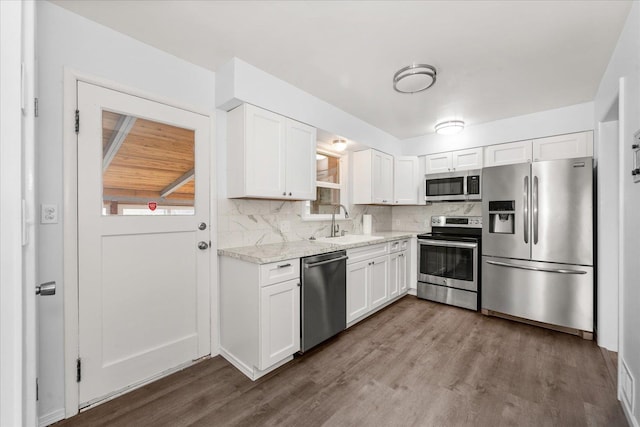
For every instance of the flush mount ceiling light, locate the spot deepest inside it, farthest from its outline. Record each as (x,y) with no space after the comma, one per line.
(450,127)
(339,144)
(414,78)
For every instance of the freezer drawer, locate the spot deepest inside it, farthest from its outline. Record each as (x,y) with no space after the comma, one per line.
(559,294)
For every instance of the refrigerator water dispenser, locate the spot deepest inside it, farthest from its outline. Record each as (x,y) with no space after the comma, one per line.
(502,216)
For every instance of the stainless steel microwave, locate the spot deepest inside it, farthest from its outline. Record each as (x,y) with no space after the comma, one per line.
(452,186)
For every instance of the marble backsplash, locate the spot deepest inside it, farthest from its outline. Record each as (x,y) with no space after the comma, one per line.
(418,218)
(246,222)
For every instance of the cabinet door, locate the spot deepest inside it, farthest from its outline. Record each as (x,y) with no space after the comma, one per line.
(508,154)
(279,322)
(466,159)
(394,274)
(358,275)
(379,281)
(265,158)
(406,185)
(301,161)
(403,272)
(563,146)
(382,178)
(438,163)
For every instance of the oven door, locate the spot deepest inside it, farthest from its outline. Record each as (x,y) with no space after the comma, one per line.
(448,263)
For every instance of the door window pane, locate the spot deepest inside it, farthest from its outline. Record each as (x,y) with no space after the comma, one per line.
(147,167)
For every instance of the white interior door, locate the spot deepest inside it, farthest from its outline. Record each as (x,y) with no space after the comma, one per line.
(143,212)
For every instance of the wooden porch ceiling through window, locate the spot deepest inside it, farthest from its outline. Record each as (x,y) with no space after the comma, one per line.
(146,161)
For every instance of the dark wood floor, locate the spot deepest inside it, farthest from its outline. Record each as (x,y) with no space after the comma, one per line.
(416,363)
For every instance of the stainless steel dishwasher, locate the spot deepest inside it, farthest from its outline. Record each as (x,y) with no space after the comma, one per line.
(323,297)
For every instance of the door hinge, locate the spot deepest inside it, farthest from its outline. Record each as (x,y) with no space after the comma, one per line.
(77,121)
(35,107)
(78,370)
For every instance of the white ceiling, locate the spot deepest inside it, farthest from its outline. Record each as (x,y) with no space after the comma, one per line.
(495,59)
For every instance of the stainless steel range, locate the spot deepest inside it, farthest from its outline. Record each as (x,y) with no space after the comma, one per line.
(448,261)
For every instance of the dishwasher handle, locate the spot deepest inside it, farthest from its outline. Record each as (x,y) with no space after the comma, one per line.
(316,264)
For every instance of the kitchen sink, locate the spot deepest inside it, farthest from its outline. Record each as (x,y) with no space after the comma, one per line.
(350,239)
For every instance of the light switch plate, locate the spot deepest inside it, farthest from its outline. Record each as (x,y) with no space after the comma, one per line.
(49,214)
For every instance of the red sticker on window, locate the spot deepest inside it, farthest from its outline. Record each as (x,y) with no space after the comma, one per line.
(153,205)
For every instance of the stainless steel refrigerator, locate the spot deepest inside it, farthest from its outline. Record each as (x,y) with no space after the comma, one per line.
(537,241)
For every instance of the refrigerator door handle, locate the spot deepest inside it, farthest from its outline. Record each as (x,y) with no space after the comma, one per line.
(545,270)
(525,211)
(535,210)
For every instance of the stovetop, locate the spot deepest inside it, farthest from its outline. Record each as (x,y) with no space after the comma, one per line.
(459,228)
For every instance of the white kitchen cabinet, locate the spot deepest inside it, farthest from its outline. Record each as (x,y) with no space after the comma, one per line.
(259,314)
(462,160)
(563,146)
(508,154)
(358,278)
(438,163)
(406,181)
(269,156)
(372,177)
(454,161)
(394,275)
(379,281)
(279,322)
(375,277)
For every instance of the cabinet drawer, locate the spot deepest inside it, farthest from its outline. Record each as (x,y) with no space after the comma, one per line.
(279,271)
(367,252)
(398,245)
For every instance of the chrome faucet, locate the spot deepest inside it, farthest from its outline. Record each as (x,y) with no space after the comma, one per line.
(334,231)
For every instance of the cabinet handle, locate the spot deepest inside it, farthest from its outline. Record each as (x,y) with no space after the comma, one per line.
(289,193)
(284,265)
(284,194)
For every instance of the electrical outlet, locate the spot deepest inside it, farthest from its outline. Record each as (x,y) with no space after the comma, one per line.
(285,226)
(49,214)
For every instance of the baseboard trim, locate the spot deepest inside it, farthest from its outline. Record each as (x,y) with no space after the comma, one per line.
(633,422)
(51,417)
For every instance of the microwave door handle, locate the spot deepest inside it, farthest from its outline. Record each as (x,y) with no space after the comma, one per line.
(525,210)
(535,210)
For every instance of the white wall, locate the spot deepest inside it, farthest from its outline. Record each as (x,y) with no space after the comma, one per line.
(574,118)
(622,80)
(67,40)
(239,82)
(12,328)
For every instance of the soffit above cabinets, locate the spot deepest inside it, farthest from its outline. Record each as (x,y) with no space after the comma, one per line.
(495,59)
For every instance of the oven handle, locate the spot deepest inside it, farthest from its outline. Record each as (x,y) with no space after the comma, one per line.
(546,270)
(448,243)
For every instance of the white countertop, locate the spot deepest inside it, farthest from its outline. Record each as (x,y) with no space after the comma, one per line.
(274,252)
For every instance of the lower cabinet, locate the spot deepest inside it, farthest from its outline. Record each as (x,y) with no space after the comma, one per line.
(259,314)
(374,277)
(279,322)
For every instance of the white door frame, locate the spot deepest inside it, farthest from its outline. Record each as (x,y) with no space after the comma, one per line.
(17,227)
(70,225)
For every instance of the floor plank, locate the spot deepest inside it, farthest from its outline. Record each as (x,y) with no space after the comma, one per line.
(415,363)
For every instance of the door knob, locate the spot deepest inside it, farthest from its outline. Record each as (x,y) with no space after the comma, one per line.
(202,226)
(203,245)
(46,289)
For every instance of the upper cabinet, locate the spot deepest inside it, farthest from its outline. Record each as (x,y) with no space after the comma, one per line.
(454,161)
(563,146)
(372,178)
(269,156)
(406,181)
(508,154)
(567,146)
